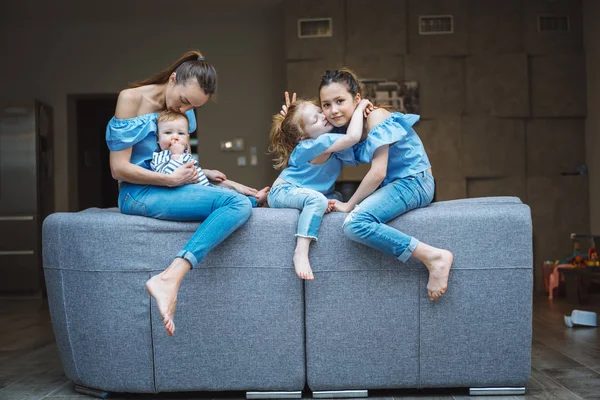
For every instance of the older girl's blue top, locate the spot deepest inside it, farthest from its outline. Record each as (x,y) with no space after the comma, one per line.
(406,152)
(140,134)
(319,177)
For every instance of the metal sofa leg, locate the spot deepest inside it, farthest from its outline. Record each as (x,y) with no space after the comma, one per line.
(274,395)
(92,392)
(500,391)
(339,394)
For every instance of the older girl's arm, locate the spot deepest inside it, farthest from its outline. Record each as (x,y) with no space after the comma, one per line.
(370,182)
(355,128)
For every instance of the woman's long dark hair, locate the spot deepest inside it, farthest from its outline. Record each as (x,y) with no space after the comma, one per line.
(189,66)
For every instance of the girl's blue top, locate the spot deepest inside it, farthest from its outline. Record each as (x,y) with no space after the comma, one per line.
(406,152)
(140,134)
(319,177)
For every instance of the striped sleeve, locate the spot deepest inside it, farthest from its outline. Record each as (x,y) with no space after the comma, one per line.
(163,163)
(171,166)
(159,160)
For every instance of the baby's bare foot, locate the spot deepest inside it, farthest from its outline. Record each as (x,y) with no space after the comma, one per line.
(302,266)
(165,293)
(439,270)
(262,194)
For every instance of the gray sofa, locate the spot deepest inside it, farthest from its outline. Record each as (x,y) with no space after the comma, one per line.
(246,322)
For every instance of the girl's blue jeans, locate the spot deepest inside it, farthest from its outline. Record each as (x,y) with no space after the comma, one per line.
(312,206)
(223,211)
(366,223)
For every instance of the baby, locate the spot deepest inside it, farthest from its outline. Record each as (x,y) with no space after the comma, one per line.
(174,151)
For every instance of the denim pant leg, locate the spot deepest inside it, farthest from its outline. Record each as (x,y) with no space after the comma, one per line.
(222,211)
(366,223)
(312,206)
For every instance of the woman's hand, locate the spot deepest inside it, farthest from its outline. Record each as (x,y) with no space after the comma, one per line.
(285,107)
(214,175)
(184,175)
(336,205)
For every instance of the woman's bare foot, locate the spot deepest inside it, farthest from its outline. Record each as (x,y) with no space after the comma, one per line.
(165,293)
(439,271)
(262,194)
(302,266)
(164,287)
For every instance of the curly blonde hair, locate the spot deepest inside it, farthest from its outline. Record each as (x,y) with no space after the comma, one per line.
(286,132)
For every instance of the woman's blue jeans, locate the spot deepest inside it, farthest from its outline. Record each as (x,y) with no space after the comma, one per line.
(366,223)
(312,206)
(223,211)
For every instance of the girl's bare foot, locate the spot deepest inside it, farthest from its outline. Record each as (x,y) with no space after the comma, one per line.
(262,194)
(439,271)
(302,266)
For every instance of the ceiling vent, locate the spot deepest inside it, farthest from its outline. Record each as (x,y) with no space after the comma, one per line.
(436,24)
(553,23)
(314,28)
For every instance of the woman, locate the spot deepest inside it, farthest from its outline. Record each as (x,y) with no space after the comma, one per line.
(131,137)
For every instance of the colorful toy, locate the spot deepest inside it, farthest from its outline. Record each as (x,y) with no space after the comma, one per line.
(592,260)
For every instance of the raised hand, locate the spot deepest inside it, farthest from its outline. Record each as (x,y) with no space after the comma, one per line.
(285,107)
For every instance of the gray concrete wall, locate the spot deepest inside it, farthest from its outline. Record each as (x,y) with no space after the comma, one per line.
(50,50)
(503,106)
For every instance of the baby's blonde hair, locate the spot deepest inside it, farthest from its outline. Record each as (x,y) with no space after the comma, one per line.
(169,115)
(286,132)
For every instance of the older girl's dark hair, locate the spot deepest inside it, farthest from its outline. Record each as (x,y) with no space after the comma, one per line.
(344,76)
(286,132)
(189,66)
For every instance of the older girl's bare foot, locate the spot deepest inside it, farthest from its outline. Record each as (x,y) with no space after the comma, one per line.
(302,266)
(439,270)
(262,194)
(164,290)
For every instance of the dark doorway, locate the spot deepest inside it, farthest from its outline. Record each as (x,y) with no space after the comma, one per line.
(95,185)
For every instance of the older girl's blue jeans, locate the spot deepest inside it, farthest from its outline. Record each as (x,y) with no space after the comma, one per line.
(223,211)
(312,206)
(366,223)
